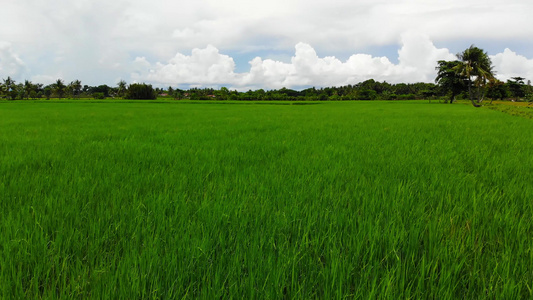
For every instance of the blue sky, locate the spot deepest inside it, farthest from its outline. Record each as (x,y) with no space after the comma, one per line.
(246,44)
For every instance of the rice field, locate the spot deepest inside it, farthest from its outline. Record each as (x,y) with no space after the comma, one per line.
(204,200)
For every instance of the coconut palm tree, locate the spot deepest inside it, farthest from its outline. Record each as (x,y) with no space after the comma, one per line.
(76,88)
(3,90)
(59,88)
(28,87)
(121,89)
(9,88)
(477,67)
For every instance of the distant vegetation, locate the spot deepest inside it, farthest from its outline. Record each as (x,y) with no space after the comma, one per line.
(471,78)
(141,91)
(513,90)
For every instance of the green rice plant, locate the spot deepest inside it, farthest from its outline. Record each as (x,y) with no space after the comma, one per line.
(203,200)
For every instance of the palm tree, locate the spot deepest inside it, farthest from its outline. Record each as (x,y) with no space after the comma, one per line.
(122,86)
(9,88)
(76,88)
(3,90)
(477,67)
(28,87)
(59,88)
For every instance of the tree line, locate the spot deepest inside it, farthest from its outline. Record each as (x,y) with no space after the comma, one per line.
(11,90)
(471,77)
(367,90)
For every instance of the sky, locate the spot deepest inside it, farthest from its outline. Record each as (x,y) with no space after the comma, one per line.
(253,44)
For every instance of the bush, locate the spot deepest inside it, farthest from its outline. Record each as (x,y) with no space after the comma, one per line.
(141,91)
(98,95)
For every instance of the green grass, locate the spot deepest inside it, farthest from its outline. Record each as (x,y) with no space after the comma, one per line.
(519,109)
(179,200)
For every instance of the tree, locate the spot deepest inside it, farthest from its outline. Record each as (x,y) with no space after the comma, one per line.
(529,92)
(19,91)
(141,91)
(104,88)
(59,88)
(28,88)
(47,91)
(98,95)
(76,88)
(223,93)
(517,87)
(121,88)
(403,89)
(449,80)
(3,90)
(10,88)
(367,94)
(476,66)
(497,90)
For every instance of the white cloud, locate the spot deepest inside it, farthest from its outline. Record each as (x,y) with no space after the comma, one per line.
(509,64)
(417,60)
(10,62)
(203,67)
(97,40)
(418,57)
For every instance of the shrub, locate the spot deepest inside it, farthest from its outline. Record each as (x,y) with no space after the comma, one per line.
(141,91)
(98,95)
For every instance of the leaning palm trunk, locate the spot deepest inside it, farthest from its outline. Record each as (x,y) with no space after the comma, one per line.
(475,103)
(477,99)
(471,95)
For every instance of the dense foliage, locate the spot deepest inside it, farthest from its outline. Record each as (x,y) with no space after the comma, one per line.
(472,75)
(141,91)
(516,90)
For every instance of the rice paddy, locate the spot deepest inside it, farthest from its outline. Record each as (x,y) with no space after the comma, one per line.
(205,200)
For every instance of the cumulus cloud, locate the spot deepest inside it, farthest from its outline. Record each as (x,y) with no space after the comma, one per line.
(417,59)
(203,67)
(510,64)
(97,40)
(10,62)
(308,69)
